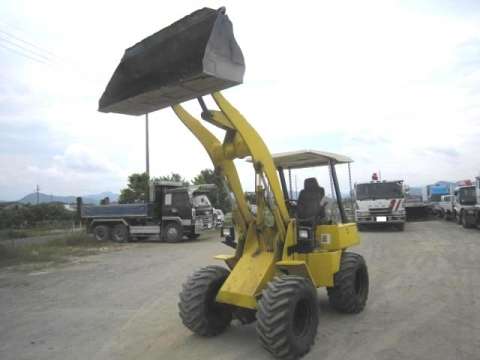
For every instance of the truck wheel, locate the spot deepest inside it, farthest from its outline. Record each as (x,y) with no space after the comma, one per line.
(101,233)
(401,227)
(198,309)
(465,222)
(287,316)
(350,291)
(173,233)
(458,218)
(120,233)
(193,236)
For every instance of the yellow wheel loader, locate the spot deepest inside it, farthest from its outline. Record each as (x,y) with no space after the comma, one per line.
(285,249)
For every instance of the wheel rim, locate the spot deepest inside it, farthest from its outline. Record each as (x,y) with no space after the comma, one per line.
(100,234)
(172,233)
(119,234)
(302,318)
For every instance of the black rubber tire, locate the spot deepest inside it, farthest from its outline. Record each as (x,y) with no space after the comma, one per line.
(287,316)
(350,291)
(120,233)
(193,236)
(401,227)
(458,218)
(173,233)
(101,233)
(465,223)
(198,310)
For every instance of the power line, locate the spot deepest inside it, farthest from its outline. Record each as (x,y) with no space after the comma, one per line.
(27,42)
(29,51)
(23,54)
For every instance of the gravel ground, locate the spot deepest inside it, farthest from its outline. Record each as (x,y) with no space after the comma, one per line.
(424,303)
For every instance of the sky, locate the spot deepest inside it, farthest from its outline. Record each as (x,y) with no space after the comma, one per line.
(395,85)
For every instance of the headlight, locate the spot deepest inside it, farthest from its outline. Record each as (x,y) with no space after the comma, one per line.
(303,234)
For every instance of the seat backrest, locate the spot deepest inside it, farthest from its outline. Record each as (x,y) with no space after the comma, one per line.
(309,202)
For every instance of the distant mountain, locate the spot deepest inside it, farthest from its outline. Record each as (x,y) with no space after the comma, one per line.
(87,199)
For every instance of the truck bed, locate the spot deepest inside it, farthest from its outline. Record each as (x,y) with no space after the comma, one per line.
(116,210)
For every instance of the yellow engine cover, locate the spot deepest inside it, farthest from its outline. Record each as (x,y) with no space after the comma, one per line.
(336,237)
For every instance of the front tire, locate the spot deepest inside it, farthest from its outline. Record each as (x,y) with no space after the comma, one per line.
(465,223)
(458,217)
(287,316)
(198,309)
(350,291)
(173,233)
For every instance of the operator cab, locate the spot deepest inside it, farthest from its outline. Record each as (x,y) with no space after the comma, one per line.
(310,208)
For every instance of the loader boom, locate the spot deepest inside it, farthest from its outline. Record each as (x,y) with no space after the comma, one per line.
(259,241)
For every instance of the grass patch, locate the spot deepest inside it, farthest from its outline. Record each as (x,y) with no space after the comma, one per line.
(55,251)
(24,233)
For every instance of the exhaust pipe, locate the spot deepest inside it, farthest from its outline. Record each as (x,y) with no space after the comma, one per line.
(195,56)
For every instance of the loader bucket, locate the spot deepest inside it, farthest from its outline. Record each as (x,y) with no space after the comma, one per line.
(194,56)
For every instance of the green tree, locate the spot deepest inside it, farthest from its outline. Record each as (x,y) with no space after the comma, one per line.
(174,177)
(218,197)
(136,189)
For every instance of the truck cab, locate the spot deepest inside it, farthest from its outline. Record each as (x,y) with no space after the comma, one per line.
(446,207)
(465,207)
(175,212)
(380,202)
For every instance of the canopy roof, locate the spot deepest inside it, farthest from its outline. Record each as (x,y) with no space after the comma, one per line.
(308,158)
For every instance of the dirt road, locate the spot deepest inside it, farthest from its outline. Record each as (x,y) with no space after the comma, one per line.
(424,304)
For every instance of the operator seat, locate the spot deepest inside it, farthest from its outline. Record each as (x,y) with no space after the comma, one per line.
(309,205)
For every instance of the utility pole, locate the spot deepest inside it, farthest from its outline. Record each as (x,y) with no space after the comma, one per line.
(37,190)
(147,157)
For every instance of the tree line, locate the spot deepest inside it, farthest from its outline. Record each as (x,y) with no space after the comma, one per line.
(138,187)
(27,216)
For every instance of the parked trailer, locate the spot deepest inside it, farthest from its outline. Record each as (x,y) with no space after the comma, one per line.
(415,207)
(175,211)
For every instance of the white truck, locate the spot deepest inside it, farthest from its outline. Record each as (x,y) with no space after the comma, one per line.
(380,202)
(466,208)
(446,207)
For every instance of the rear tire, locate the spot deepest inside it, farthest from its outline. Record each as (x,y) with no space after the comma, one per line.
(120,233)
(101,233)
(350,291)
(198,309)
(401,227)
(173,233)
(193,236)
(287,316)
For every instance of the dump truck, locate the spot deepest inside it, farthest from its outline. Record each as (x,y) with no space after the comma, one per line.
(277,262)
(380,202)
(175,212)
